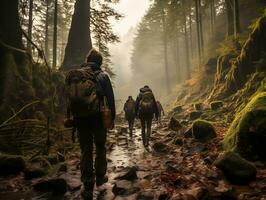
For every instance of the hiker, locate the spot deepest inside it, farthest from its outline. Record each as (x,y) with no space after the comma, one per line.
(160,110)
(129,109)
(89,92)
(146,108)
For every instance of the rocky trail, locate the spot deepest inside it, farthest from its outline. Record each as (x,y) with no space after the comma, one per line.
(175,166)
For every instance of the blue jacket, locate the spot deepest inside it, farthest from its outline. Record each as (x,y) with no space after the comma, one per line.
(106,88)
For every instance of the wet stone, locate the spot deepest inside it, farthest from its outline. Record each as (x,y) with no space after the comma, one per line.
(124,187)
(130,174)
(160,147)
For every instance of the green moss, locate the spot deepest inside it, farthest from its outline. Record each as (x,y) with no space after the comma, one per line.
(203,130)
(246,134)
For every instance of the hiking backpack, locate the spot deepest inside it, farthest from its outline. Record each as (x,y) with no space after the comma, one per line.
(81,91)
(146,102)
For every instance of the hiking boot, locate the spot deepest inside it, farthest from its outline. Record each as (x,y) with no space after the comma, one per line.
(87,194)
(101,180)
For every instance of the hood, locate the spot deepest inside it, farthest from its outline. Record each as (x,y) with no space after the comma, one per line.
(145,90)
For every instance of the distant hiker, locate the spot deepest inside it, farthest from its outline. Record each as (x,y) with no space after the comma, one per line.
(89,91)
(130,113)
(146,108)
(160,110)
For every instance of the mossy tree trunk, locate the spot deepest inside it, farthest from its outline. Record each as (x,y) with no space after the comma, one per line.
(79,38)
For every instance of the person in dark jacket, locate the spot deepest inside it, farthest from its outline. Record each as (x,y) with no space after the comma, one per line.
(91,131)
(160,110)
(129,109)
(146,115)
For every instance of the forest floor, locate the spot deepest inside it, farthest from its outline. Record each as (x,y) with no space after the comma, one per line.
(167,170)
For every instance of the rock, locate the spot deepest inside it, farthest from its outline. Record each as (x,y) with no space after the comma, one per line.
(195,115)
(34,172)
(11,164)
(198,106)
(203,131)
(164,196)
(124,187)
(145,195)
(174,124)
(198,148)
(160,147)
(172,166)
(236,169)
(130,174)
(56,186)
(198,192)
(216,104)
(246,135)
(177,109)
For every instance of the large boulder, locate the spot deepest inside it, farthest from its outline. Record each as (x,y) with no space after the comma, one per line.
(247,135)
(174,124)
(203,131)
(236,169)
(11,164)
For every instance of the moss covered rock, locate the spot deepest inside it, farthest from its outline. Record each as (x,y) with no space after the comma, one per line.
(236,169)
(247,135)
(216,104)
(203,131)
(11,164)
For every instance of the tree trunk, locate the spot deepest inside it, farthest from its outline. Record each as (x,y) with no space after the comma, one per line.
(10,30)
(186,48)
(165,54)
(190,34)
(230,17)
(212,16)
(30,23)
(79,38)
(177,59)
(55,34)
(198,30)
(46,46)
(236,18)
(201,28)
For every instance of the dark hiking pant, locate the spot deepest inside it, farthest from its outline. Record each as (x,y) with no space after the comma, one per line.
(146,130)
(131,125)
(89,135)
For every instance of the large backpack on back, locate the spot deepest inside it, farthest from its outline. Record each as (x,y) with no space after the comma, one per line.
(146,103)
(81,90)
